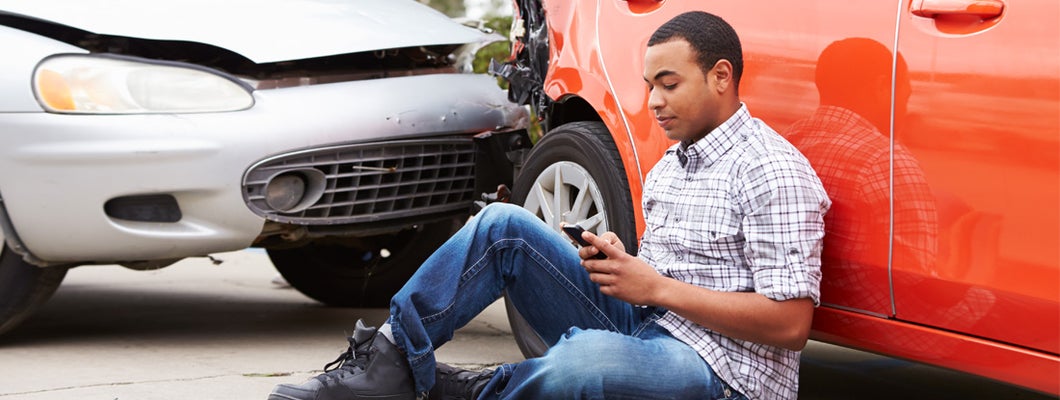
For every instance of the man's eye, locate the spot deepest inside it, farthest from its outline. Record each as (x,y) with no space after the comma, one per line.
(669,87)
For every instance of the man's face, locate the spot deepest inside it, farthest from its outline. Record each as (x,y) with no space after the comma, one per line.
(684,100)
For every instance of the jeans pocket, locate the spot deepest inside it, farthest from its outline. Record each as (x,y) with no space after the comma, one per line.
(648,327)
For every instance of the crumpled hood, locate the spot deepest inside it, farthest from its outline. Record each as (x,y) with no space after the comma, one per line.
(261,30)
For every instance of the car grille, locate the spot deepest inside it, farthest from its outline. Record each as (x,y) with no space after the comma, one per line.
(373,182)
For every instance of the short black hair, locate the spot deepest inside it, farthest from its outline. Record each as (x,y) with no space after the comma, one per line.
(711,38)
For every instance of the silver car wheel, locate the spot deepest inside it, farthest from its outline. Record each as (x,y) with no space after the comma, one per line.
(565,192)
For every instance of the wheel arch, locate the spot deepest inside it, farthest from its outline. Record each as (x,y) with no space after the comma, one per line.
(557,78)
(576,108)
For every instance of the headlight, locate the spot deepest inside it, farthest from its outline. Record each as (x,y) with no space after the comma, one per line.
(93,84)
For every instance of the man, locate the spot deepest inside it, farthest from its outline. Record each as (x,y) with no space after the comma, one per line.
(717,305)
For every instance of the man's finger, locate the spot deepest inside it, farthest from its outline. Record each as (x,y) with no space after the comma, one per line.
(587,252)
(598,266)
(601,279)
(601,244)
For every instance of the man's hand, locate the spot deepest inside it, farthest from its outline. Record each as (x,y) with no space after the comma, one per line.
(620,275)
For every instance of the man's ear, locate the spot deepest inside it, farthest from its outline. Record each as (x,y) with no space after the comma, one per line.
(721,75)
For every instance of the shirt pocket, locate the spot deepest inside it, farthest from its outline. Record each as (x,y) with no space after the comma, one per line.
(655,219)
(712,237)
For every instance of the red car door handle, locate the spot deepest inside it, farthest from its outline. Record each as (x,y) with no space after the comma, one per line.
(984,9)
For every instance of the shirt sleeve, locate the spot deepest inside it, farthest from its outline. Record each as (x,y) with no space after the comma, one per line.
(784,205)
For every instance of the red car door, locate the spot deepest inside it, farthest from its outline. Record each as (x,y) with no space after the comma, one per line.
(981,118)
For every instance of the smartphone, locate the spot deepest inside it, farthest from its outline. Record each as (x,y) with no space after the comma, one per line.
(575,232)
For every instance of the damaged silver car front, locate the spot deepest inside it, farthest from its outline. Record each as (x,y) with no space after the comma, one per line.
(343,137)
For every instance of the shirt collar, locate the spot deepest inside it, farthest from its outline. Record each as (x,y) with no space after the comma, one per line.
(718,142)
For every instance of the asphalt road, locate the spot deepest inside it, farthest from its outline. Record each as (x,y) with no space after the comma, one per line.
(201,331)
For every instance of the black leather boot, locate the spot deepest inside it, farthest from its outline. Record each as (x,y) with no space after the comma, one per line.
(452,383)
(371,368)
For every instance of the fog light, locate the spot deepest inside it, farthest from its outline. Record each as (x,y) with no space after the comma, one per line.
(285,191)
(293,191)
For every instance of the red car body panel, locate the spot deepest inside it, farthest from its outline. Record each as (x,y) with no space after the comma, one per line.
(942,244)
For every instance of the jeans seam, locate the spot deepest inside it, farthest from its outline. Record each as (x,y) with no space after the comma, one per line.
(490,251)
(464,277)
(644,324)
(504,371)
(571,288)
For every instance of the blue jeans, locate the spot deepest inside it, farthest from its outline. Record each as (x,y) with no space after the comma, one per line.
(601,347)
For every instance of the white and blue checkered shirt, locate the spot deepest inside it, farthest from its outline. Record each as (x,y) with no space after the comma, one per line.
(740,210)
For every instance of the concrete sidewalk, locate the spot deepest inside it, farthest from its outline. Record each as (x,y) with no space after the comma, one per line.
(201,331)
(196,330)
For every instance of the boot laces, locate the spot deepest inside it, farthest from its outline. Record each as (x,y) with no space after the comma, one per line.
(351,361)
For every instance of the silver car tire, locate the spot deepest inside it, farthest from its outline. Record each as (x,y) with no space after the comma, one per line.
(575,175)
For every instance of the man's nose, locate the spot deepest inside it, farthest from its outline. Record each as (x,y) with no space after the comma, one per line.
(655,101)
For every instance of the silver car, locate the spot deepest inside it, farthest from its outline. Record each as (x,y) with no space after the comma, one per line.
(339,135)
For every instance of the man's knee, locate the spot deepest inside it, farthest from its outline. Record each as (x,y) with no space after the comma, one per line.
(505,215)
(500,211)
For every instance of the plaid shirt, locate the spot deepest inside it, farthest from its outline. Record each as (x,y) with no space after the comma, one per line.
(740,210)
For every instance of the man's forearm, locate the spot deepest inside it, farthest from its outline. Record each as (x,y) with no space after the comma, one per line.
(740,315)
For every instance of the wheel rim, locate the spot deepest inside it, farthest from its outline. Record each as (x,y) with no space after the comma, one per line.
(565,192)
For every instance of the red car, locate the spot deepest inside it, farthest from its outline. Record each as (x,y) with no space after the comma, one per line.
(934,125)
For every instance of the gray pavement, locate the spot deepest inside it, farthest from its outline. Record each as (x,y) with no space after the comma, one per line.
(201,331)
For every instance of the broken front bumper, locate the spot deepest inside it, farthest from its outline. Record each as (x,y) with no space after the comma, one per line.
(58,172)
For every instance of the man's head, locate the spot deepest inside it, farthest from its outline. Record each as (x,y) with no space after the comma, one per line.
(712,39)
(693,66)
